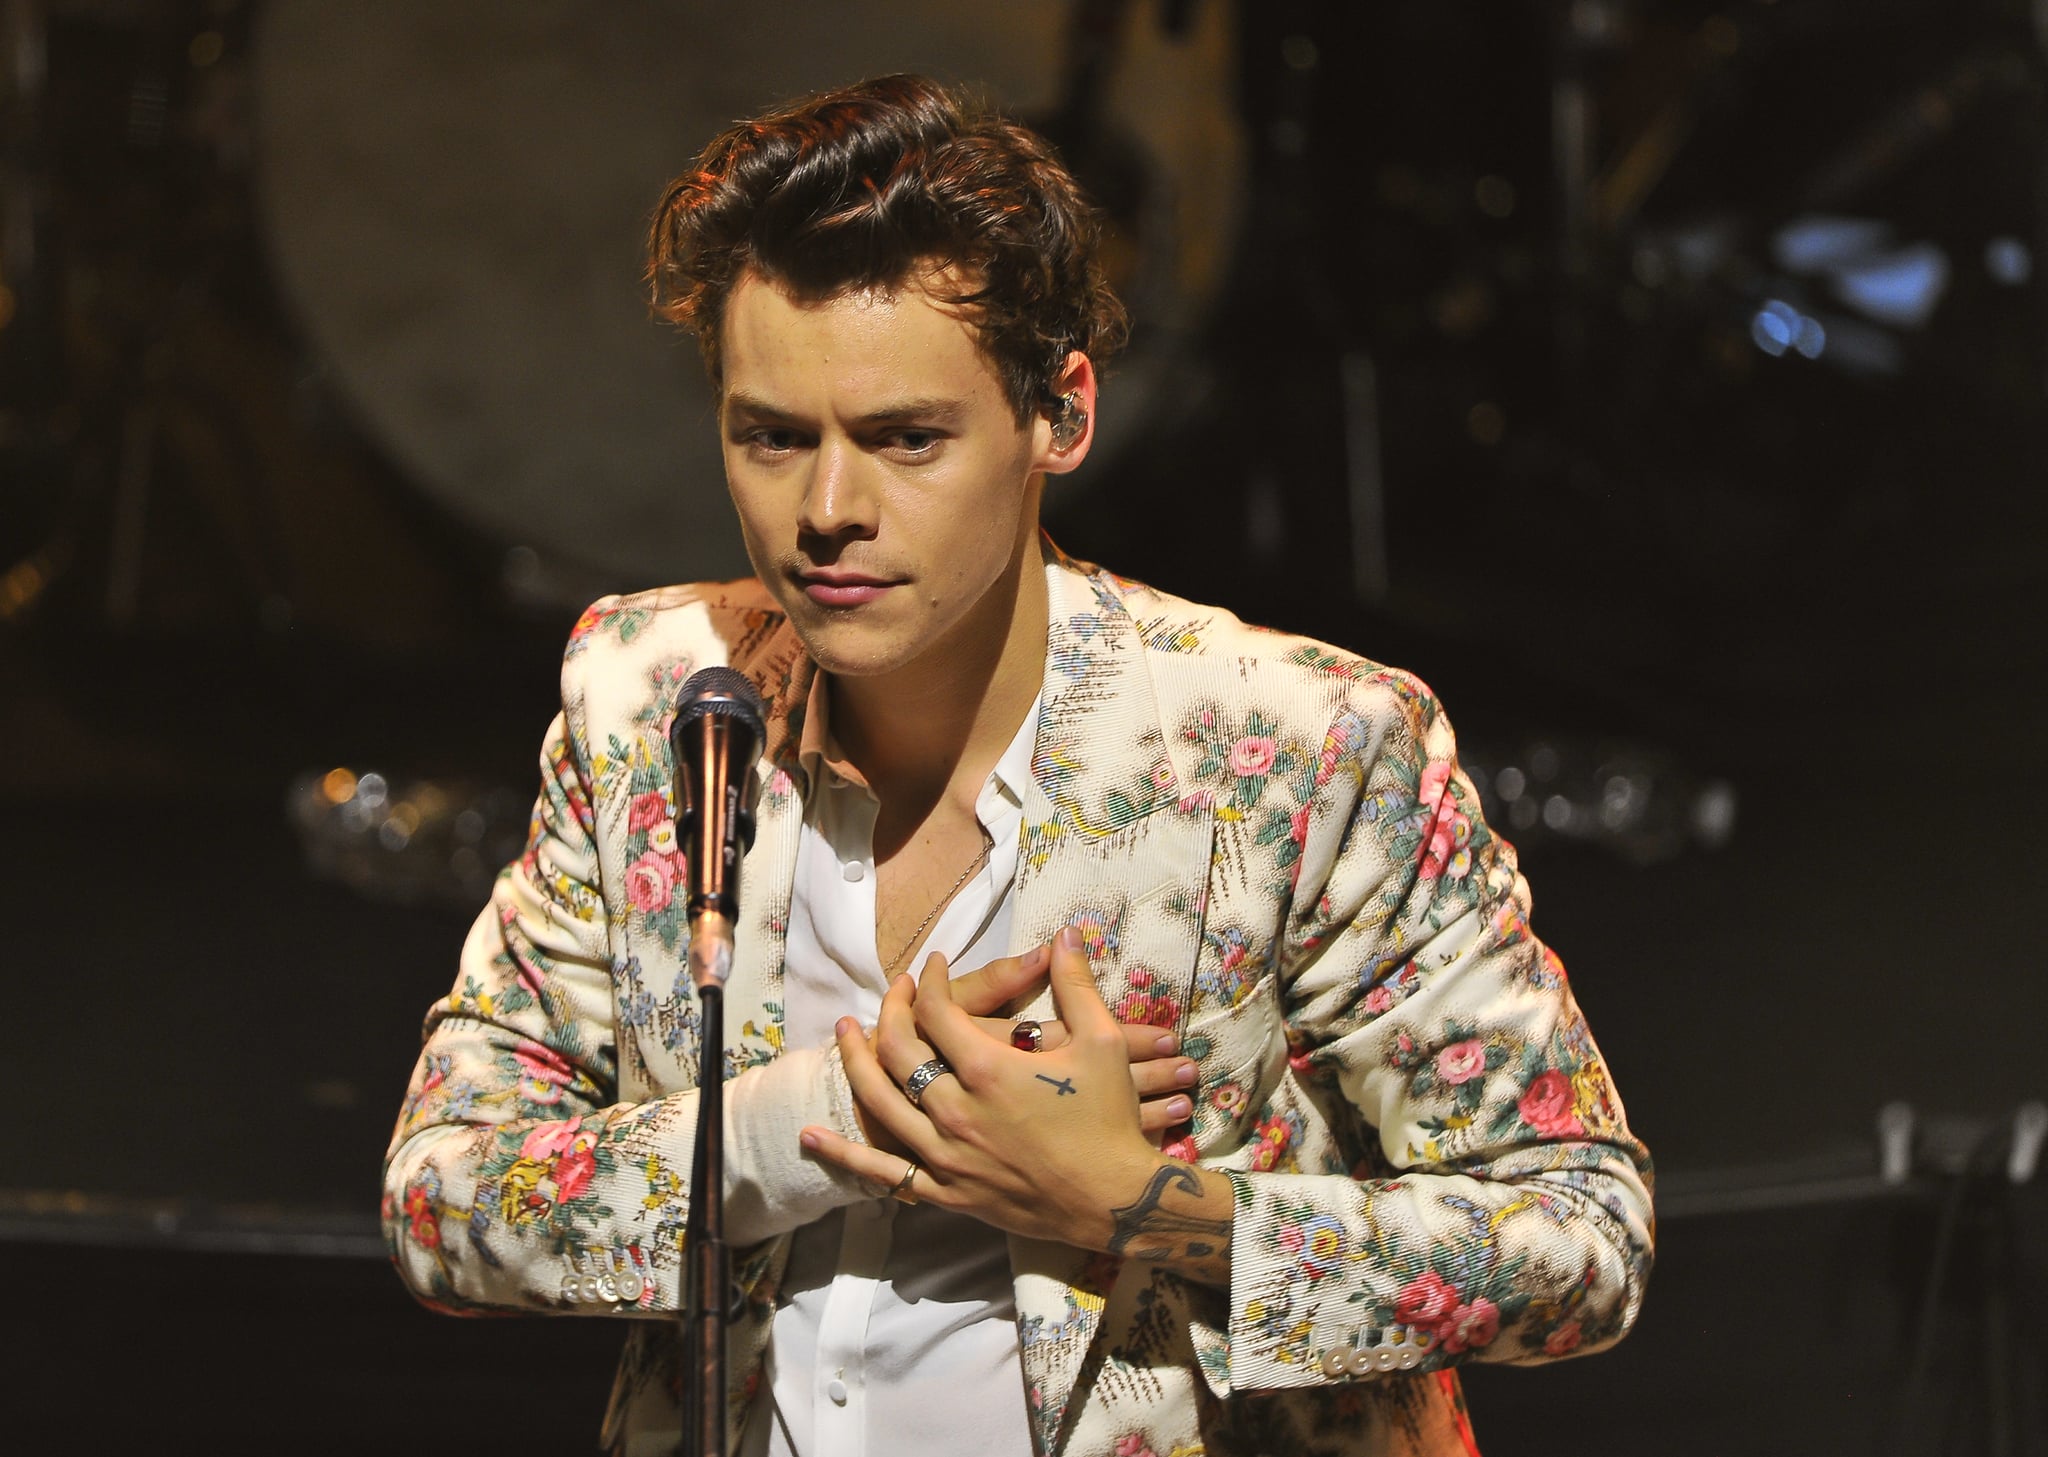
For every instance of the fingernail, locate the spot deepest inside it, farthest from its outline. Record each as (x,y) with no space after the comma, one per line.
(846,1026)
(1070,938)
(808,1139)
(1179,1108)
(1185,1075)
(1167,1046)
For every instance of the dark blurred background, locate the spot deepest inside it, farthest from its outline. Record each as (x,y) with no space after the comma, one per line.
(1663,381)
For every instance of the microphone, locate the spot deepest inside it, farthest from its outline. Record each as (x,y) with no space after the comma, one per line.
(715,738)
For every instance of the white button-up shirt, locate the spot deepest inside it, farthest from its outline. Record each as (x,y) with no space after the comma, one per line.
(896,1331)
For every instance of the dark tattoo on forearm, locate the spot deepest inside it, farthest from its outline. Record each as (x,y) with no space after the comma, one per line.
(1062,1086)
(1149,1231)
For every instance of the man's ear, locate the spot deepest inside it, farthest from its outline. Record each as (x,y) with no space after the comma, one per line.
(1062,433)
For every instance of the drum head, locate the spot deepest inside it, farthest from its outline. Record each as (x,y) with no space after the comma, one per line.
(456,197)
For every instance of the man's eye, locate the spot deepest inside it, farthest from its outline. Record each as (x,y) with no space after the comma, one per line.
(774,442)
(916,442)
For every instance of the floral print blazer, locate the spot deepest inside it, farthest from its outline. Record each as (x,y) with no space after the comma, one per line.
(1270,849)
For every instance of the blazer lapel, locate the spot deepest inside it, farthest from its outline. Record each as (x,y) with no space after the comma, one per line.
(1111,843)
(783,674)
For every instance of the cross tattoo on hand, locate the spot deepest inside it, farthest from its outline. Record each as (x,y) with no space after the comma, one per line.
(1062,1086)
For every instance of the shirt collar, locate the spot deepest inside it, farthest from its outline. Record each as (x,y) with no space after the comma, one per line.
(827,766)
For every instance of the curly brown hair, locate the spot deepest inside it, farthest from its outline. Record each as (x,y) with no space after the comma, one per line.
(864,186)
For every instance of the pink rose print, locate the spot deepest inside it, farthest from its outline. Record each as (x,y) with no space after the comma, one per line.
(1252,754)
(592,619)
(1297,828)
(543,1074)
(1182,1148)
(1291,1238)
(1447,853)
(1564,1340)
(1162,775)
(1275,1134)
(1436,777)
(1461,1061)
(1147,1009)
(546,1140)
(1379,998)
(421,1222)
(573,1172)
(1425,1302)
(1133,1444)
(1546,1106)
(647,811)
(1326,762)
(651,882)
(1471,1326)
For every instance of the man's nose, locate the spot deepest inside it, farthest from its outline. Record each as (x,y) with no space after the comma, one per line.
(839,499)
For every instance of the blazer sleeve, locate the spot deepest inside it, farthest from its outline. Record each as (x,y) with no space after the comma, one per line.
(1496,1207)
(514,1165)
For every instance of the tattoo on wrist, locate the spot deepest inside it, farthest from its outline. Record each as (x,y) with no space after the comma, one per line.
(1147,1230)
(1062,1086)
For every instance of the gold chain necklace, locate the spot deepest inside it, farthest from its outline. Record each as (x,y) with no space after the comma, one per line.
(979,860)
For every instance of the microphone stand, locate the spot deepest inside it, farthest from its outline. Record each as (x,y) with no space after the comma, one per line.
(709,1279)
(715,739)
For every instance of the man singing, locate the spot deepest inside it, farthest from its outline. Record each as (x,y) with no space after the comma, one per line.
(1298,1114)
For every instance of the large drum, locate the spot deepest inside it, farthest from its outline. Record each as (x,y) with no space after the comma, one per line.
(456,195)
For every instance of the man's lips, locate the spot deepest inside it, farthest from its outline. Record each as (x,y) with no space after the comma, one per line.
(843,589)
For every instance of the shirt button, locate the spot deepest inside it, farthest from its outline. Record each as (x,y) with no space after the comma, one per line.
(836,1389)
(853,870)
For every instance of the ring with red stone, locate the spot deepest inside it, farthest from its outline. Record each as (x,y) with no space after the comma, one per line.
(1027,1036)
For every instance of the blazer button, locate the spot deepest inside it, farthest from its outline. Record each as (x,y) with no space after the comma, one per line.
(1334,1363)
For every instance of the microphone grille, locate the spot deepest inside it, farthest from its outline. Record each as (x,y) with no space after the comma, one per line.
(722,692)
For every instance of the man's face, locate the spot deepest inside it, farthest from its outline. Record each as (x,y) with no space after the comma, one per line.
(887,494)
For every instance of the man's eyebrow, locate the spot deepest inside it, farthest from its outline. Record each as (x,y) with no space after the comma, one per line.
(753,406)
(936,409)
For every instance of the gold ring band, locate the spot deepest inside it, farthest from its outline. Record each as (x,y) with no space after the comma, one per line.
(901,1193)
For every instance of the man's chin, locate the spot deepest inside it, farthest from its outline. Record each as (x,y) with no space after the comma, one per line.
(848,650)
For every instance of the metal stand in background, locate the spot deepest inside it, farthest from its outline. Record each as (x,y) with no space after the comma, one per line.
(1979,1166)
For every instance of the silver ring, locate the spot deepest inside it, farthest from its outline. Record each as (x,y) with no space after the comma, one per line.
(923,1076)
(1027,1036)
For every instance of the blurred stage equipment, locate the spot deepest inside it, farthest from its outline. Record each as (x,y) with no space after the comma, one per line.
(455,195)
(1766,175)
(164,469)
(419,840)
(1633,800)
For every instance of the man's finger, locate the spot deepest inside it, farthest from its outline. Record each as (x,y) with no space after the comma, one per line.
(1145,1043)
(986,990)
(897,1043)
(878,1094)
(1156,1115)
(1074,991)
(883,1170)
(1163,1076)
(945,1024)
